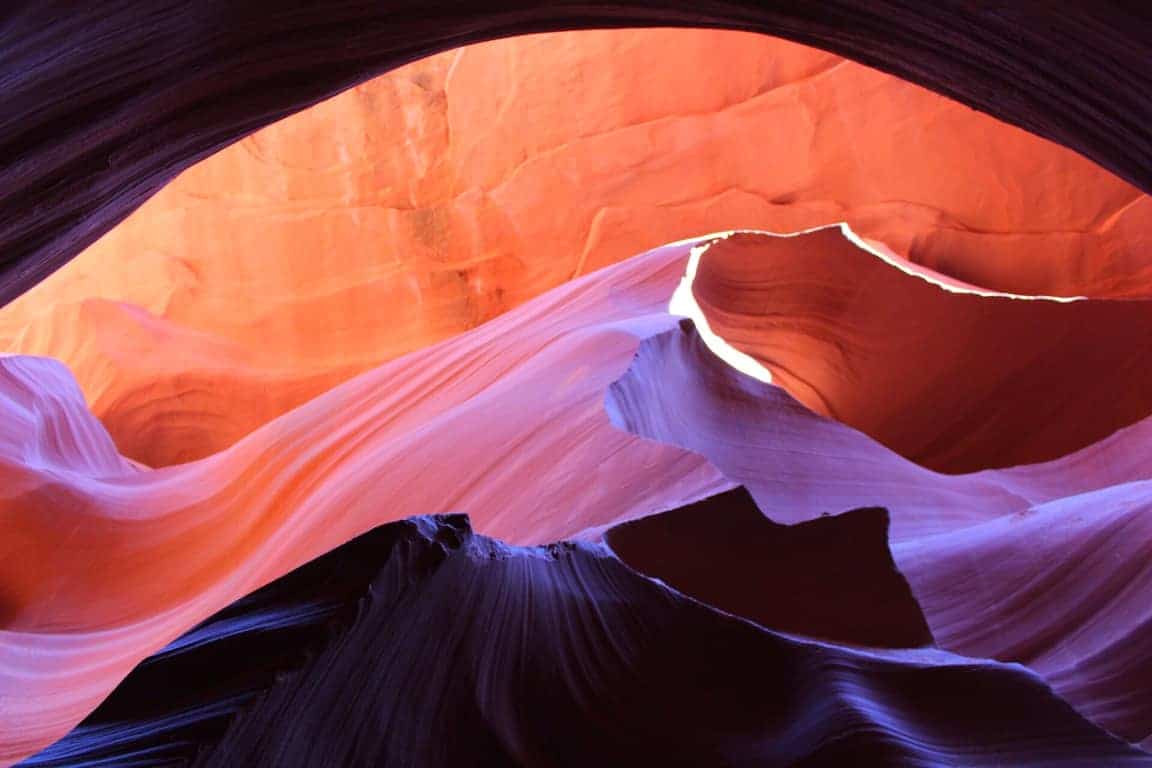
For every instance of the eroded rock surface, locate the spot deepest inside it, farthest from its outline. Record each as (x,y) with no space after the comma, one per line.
(345,320)
(425,202)
(562,657)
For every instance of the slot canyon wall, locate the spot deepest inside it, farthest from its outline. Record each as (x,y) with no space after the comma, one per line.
(421,204)
(371,437)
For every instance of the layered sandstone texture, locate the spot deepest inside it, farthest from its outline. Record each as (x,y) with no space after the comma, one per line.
(631,397)
(425,202)
(587,407)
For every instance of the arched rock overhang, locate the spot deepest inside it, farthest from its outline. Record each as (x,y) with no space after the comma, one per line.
(103,103)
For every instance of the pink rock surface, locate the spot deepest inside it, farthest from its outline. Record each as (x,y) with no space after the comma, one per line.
(345,320)
(1044,564)
(101,563)
(511,423)
(1060,586)
(420,204)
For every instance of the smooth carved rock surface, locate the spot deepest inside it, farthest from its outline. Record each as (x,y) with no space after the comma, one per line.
(296,331)
(1043,564)
(563,657)
(542,425)
(950,375)
(506,422)
(425,202)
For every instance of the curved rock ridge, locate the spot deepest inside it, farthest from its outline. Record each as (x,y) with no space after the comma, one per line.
(104,561)
(799,465)
(1044,564)
(512,422)
(954,377)
(46,424)
(105,105)
(184,697)
(506,422)
(421,204)
(563,657)
(1061,587)
(831,578)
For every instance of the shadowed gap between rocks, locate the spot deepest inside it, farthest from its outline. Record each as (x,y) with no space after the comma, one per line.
(832,578)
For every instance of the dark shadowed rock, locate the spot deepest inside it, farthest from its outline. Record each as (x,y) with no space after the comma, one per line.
(422,644)
(831,578)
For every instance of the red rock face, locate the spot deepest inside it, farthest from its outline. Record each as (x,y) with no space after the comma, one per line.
(949,375)
(432,199)
(423,297)
(471,424)
(1044,564)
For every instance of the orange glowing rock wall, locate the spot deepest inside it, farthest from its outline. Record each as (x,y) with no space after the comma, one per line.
(430,200)
(954,377)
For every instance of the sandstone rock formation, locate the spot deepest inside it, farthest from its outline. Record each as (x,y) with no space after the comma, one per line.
(590,663)
(430,200)
(512,422)
(232,510)
(104,105)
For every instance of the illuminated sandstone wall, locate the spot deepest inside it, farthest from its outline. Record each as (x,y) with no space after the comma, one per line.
(434,294)
(432,199)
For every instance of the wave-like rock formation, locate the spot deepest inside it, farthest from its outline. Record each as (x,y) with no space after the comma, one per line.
(562,657)
(678,392)
(1061,587)
(998,380)
(506,422)
(512,422)
(425,202)
(300,345)
(1042,564)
